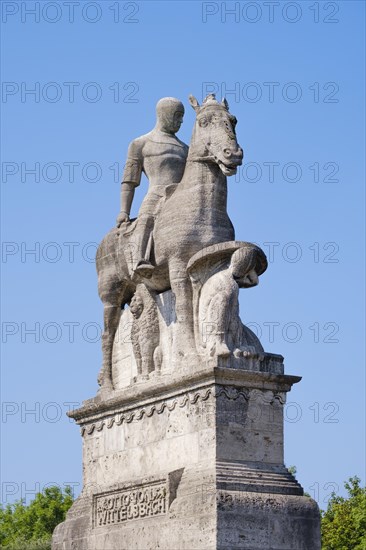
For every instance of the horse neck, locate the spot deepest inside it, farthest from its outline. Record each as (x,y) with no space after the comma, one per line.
(201,170)
(197,167)
(200,175)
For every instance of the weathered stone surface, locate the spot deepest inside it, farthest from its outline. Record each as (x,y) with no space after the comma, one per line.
(195,462)
(217,273)
(183,444)
(178,220)
(265,521)
(244,352)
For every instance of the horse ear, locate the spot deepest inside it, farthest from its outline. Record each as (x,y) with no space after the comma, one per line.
(193,101)
(225,103)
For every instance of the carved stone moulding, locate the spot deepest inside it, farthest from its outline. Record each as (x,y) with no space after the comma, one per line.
(167,405)
(155,395)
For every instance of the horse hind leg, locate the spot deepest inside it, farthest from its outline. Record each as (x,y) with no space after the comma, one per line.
(112,313)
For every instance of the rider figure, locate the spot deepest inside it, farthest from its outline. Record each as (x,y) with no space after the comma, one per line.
(162,158)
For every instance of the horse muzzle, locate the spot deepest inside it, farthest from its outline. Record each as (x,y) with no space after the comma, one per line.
(230,160)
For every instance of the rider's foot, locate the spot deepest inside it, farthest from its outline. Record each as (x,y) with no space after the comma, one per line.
(144,269)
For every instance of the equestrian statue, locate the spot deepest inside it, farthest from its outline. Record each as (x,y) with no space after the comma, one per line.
(183,213)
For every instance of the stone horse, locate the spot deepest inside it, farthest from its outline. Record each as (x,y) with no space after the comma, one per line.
(192,217)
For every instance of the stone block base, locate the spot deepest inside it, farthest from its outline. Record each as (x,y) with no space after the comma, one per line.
(206,519)
(189,464)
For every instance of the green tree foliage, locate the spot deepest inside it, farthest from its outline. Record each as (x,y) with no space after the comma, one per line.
(344,521)
(30,527)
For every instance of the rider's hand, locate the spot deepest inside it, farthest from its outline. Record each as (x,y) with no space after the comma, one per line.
(122,217)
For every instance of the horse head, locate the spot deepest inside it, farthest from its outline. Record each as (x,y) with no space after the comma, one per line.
(214,137)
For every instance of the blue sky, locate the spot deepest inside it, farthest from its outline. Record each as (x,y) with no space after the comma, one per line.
(294,79)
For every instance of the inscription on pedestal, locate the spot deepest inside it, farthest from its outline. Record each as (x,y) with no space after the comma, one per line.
(124,505)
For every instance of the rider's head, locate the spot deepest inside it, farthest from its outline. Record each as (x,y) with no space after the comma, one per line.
(169,112)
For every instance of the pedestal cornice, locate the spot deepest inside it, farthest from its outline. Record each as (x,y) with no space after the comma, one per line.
(154,395)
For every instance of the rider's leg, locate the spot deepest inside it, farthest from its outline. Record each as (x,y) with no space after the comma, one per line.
(150,208)
(141,238)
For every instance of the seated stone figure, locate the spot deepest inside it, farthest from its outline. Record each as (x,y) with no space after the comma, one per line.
(221,330)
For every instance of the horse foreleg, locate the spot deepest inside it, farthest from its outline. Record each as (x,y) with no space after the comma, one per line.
(182,290)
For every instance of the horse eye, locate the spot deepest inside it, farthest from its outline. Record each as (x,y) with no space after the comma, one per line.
(203,122)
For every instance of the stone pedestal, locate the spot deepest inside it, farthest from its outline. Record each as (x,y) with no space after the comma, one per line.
(190,460)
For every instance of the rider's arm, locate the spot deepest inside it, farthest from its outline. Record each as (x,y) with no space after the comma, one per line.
(127,194)
(130,180)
